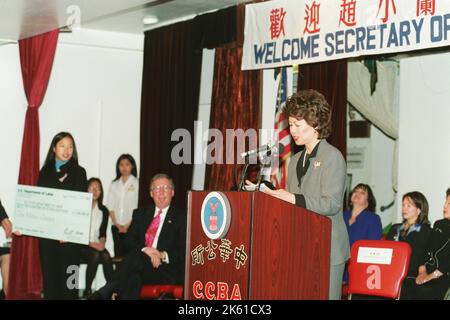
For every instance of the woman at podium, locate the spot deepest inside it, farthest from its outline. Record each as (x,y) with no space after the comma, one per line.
(316,175)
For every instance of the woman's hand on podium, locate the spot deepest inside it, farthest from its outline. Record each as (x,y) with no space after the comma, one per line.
(281,194)
(250,184)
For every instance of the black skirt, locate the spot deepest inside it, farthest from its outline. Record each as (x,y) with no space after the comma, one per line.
(4,251)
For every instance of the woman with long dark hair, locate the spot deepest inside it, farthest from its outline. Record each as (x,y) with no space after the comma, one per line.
(60,171)
(361,220)
(95,253)
(122,200)
(415,230)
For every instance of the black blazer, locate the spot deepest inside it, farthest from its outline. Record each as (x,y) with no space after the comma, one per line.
(438,252)
(172,238)
(418,240)
(70,177)
(3,214)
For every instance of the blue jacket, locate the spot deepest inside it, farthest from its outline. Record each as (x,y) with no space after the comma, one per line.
(366,227)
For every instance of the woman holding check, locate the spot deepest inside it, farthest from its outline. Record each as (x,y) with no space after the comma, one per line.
(60,171)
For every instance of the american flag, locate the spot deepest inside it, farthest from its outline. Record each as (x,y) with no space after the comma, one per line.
(282,131)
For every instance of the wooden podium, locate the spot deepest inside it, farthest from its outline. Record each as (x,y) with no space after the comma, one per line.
(272,250)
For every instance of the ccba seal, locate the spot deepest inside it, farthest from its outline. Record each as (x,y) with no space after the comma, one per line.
(216,215)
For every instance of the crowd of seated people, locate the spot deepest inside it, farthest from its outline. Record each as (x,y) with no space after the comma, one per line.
(429,267)
(156,249)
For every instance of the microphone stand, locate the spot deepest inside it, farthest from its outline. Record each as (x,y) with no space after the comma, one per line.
(262,165)
(244,173)
(264,161)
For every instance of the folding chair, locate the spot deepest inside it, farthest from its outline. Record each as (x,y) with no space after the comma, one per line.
(162,292)
(378,268)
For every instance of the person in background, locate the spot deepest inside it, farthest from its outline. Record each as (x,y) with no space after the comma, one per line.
(95,253)
(157,245)
(361,220)
(4,251)
(415,230)
(60,171)
(122,200)
(433,279)
(316,179)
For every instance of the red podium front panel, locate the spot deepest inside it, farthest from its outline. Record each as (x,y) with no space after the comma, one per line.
(272,250)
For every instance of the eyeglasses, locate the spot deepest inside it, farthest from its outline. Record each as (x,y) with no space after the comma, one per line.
(162,188)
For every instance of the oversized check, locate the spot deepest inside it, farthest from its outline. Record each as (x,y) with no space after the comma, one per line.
(53,214)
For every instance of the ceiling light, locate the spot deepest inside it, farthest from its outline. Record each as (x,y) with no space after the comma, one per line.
(150,20)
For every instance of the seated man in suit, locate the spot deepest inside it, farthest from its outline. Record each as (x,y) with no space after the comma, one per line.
(156,242)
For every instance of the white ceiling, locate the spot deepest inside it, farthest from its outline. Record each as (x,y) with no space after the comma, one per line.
(168,11)
(25,18)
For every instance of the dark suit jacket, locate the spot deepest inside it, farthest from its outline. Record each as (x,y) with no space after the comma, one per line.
(70,177)
(3,214)
(439,248)
(172,238)
(418,240)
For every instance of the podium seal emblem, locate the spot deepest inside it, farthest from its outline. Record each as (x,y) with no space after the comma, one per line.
(216,215)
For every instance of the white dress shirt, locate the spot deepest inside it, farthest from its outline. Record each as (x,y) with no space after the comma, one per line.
(123,199)
(96,222)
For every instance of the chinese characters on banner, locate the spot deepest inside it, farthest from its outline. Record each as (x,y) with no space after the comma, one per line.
(277,23)
(283,33)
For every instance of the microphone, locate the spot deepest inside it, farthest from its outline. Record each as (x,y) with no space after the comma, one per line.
(269,147)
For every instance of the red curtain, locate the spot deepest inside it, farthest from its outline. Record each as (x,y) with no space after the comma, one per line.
(235,105)
(36,58)
(330,79)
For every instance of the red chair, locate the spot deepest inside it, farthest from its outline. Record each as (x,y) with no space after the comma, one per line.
(161,292)
(378,267)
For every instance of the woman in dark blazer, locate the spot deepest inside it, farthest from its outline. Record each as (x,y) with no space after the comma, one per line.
(60,171)
(434,274)
(95,253)
(415,230)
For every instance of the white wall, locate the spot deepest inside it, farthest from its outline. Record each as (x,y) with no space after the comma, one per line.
(376,170)
(94,92)
(424,132)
